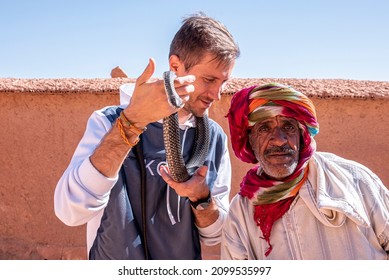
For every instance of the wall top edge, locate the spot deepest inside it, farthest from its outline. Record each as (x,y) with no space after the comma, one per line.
(65,85)
(320,88)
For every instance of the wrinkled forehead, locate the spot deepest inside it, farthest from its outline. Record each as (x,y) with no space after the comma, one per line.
(275,121)
(279,119)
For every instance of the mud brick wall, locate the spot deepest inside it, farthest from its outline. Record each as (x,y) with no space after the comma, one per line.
(42,121)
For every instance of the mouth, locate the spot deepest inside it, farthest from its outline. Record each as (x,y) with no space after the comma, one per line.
(276,154)
(206,103)
(280,155)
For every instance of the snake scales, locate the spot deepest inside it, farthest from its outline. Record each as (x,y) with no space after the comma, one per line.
(171,136)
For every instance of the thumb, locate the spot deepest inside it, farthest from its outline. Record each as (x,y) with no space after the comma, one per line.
(202,171)
(147,73)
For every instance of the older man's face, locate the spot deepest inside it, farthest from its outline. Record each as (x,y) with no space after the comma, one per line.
(276,143)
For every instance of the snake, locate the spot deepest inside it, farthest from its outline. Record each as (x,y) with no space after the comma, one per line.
(179,170)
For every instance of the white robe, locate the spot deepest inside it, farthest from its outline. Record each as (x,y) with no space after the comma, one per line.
(341,212)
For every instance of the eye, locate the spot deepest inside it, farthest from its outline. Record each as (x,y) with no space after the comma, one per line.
(208,80)
(263,128)
(290,128)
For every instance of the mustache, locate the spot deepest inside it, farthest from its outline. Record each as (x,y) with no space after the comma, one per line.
(284,150)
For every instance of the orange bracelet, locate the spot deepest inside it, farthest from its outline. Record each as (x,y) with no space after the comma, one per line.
(131,127)
(123,134)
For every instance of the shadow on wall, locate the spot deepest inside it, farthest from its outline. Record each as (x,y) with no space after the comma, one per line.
(43,120)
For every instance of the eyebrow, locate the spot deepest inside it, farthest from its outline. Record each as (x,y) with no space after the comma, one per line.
(284,120)
(212,77)
(292,121)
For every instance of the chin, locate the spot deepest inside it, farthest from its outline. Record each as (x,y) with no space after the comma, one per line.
(279,172)
(200,113)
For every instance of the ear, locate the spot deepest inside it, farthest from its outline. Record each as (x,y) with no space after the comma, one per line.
(176,65)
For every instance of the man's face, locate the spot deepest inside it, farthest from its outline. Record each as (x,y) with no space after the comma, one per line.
(276,144)
(210,79)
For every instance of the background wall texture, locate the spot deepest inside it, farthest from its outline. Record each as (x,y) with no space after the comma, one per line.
(42,122)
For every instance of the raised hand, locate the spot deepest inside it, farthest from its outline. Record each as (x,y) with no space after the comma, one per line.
(149,102)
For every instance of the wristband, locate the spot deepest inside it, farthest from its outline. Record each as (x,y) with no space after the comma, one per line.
(203,203)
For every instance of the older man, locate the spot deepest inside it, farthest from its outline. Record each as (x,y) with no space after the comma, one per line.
(298,203)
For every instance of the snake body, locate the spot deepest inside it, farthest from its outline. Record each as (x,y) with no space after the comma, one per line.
(180,171)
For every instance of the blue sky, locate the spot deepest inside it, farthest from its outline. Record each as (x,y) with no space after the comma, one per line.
(278,39)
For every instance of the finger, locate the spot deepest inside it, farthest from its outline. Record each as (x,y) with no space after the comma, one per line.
(184,80)
(184,99)
(202,171)
(184,93)
(184,86)
(185,90)
(164,170)
(147,73)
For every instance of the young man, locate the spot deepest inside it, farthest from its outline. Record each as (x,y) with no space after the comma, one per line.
(298,203)
(123,190)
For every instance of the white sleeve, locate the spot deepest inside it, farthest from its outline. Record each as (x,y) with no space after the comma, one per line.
(211,234)
(82,191)
(232,247)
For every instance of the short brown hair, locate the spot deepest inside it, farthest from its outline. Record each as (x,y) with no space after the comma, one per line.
(200,35)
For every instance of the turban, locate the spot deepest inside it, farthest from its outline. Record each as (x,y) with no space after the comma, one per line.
(257,103)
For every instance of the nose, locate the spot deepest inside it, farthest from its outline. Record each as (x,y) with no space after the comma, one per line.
(278,137)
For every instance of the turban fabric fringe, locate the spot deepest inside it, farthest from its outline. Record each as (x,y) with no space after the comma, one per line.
(257,103)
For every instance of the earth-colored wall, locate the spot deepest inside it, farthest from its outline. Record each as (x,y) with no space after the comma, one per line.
(42,122)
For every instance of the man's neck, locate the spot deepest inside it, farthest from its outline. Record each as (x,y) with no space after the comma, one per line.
(183,116)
